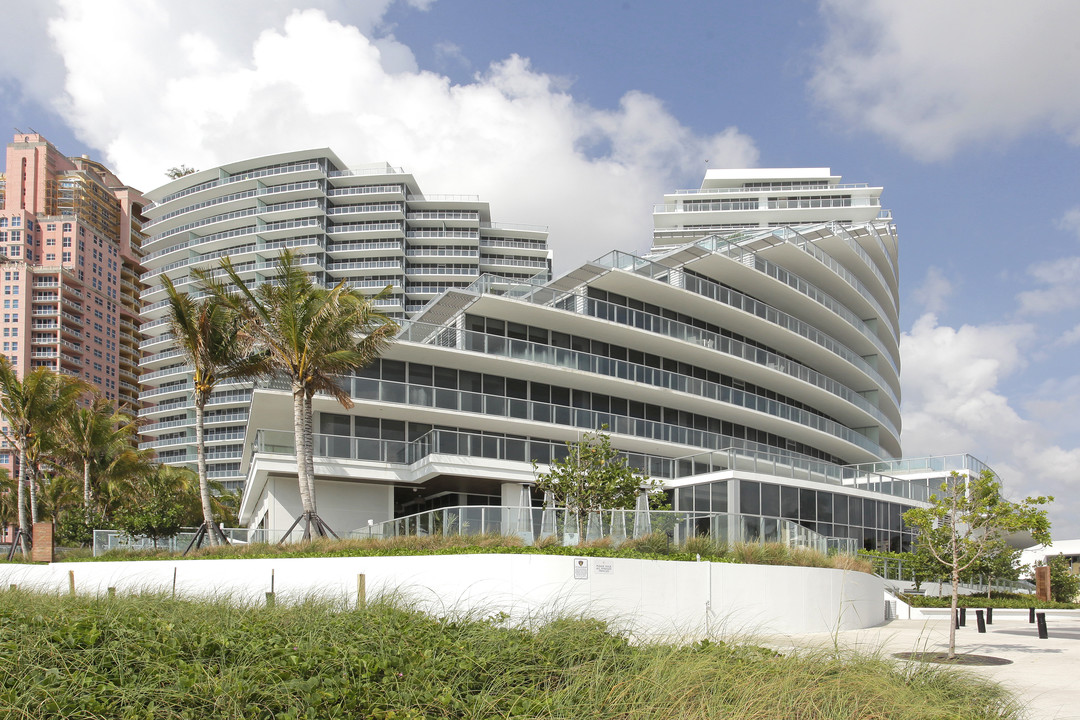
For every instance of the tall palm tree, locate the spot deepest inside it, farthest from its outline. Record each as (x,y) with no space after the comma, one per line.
(30,406)
(309,334)
(207,334)
(95,437)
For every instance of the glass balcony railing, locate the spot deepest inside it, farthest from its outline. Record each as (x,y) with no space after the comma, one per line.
(536,411)
(562,357)
(527,450)
(715,290)
(535,523)
(538,293)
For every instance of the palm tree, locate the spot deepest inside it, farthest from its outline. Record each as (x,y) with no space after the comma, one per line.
(310,334)
(207,334)
(95,437)
(30,406)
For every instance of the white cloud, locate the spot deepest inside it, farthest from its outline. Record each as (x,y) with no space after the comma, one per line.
(934,291)
(191,90)
(1060,281)
(935,76)
(449,56)
(953,402)
(1069,337)
(1070,221)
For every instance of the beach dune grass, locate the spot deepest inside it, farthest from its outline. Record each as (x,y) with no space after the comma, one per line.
(153,657)
(656,546)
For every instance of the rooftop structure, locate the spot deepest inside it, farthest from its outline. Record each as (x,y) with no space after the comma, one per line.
(730,200)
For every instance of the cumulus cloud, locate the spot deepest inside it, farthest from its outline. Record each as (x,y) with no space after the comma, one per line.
(936,76)
(1070,221)
(1059,287)
(953,402)
(183,85)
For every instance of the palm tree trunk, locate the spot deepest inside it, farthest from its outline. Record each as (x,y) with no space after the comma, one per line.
(24,524)
(86,487)
(302,450)
(309,439)
(200,460)
(32,475)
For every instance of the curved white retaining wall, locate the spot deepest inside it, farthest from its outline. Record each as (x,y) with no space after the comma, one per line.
(651,598)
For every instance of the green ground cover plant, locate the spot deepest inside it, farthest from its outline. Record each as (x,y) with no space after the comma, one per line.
(149,656)
(650,547)
(996,600)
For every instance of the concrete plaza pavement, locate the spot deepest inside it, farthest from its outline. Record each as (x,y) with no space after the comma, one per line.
(1044,675)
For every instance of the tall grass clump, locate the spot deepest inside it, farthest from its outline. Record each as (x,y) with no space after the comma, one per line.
(154,657)
(656,546)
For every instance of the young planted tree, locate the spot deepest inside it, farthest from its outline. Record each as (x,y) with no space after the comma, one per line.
(30,406)
(969,520)
(592,477)
(208,334)
(160,505)
(310,335)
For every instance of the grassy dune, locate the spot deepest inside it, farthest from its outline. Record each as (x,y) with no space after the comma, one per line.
(153,657)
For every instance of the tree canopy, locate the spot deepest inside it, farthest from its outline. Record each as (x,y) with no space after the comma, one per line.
(593,476)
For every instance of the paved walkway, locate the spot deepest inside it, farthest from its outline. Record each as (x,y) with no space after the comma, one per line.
(1044,674)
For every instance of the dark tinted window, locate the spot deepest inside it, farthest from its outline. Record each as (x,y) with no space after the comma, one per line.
(749,497)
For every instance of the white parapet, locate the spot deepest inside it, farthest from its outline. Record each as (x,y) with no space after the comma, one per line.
(653,599)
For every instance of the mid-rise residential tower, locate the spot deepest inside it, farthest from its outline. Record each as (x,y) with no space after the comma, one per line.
(370,226)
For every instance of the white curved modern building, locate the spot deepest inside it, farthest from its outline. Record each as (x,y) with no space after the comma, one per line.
(370,226)
(750,360)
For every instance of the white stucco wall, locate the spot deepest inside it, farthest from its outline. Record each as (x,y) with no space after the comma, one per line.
(651,598)
(344,505)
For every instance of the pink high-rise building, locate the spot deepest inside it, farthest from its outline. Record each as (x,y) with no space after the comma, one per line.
(72,234)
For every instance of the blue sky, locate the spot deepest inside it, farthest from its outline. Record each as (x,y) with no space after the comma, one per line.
(579,116)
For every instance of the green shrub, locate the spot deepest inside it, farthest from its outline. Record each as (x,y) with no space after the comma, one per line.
(1063,584)
(996,599)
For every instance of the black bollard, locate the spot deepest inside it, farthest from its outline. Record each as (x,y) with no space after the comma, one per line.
(963,617)
(1031,615)
(1043,635)
(980,621)
(956,618)
(989,616)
